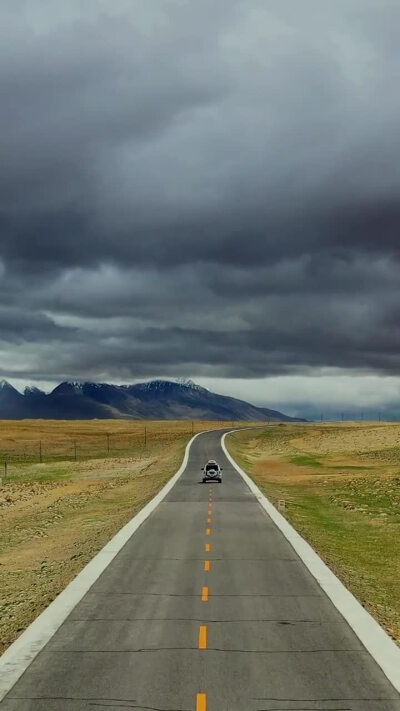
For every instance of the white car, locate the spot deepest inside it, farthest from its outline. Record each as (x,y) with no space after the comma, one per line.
(212,471)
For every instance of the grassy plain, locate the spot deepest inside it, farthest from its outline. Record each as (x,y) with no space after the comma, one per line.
(340,484)
(25,442)
(55,515)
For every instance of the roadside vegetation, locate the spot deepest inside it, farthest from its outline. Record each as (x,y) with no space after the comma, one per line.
(55,515)
(339,485)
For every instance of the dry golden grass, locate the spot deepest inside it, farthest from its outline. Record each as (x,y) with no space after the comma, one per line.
(341,487)
(26,441)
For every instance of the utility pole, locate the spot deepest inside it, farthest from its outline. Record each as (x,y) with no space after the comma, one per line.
(145,436)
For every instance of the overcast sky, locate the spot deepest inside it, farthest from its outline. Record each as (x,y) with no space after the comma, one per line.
(205,189)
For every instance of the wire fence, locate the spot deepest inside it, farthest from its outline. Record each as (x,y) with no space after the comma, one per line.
(22,448)
(73,449)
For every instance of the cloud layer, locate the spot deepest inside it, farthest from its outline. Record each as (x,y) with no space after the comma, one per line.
(204,189)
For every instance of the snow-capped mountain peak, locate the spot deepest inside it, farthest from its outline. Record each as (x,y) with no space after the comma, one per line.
(158,399)
(32,390)
(5,385)
(161,385)
(189,383)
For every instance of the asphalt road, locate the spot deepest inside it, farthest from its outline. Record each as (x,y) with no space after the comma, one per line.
(163,629)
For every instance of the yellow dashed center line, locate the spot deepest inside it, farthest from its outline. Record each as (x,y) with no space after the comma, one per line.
(203,637)
(201,702)
(201,699)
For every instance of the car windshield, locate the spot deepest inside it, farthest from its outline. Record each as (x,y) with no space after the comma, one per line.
(211,466)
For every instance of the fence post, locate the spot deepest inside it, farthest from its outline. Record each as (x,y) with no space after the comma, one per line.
(40,452)
(108,443)
(5,470)
(75,451)
(145,436)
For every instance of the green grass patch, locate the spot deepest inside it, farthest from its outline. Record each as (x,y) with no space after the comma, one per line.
(47,476)
(43,473)
(304,460)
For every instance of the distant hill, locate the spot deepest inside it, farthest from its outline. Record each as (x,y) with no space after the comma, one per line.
(155,400)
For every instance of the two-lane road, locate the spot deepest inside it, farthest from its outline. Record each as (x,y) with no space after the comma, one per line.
(206,608)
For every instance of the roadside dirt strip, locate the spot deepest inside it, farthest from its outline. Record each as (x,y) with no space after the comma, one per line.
(207,607)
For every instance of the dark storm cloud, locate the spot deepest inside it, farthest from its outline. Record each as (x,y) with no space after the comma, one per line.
(198,188)
(18,326)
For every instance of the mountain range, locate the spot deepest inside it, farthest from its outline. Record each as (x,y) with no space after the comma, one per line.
(156,400)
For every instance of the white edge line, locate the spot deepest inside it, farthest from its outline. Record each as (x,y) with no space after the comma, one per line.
(378,643)
(23,651)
